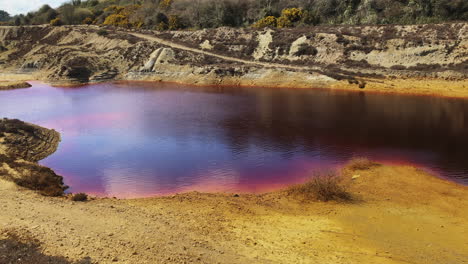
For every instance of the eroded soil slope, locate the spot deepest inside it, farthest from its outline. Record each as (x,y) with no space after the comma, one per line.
(422,58)
(22,145)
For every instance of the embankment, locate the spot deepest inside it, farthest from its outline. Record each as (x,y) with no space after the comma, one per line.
(22,145)
(9,85)
(426,59)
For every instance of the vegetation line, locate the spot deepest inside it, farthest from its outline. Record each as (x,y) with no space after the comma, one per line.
(190,14)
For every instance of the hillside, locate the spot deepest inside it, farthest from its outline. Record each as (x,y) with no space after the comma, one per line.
(415,59)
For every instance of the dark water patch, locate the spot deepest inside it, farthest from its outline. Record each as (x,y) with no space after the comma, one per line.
(142,139)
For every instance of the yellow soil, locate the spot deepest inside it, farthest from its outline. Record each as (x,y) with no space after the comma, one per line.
(298,80)
(402,215)
(417,86)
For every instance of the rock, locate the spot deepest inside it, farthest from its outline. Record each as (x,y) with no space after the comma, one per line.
(30,66)
(362,84)
(104,76)
(206,45)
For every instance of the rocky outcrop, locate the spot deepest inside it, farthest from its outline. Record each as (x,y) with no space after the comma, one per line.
(381,49)
(22,145)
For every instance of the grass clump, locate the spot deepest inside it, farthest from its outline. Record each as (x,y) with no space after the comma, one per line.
(79,197)
(38,178)
(361,163)
(322,187)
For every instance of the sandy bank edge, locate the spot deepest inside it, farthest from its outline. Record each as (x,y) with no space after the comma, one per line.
(400,212)
(284,79)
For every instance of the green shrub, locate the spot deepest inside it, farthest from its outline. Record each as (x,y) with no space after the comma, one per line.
(56,22)
(174,23)
(117,20)
(269,21)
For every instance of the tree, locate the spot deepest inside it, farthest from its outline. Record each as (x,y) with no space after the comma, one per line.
(174,23)
(4,16)
(76,2)
(44,9)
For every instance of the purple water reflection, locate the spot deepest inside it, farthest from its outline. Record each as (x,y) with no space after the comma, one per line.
(144,139)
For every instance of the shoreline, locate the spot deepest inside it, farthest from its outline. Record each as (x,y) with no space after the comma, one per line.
(397,212)
(436,174)
(340,87)
(11,85)
(420,86)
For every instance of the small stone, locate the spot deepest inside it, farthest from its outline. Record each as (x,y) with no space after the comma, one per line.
(355,177)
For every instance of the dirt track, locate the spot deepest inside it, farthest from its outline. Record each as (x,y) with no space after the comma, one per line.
(226,58)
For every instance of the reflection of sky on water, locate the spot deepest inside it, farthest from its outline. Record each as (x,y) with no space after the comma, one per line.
(135,140)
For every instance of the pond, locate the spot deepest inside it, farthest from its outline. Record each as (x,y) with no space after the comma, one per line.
(134,139)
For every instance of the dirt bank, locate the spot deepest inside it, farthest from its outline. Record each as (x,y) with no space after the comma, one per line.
(22,145)
(419,59)
(9,85)
(402,215)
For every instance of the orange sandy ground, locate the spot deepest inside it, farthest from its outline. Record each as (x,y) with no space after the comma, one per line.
(400,215)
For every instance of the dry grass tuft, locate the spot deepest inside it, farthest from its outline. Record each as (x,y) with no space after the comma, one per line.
(322,187)
(361,163)
(79,197)
(40,179)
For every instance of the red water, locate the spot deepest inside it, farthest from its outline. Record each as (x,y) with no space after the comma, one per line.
(144,139)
